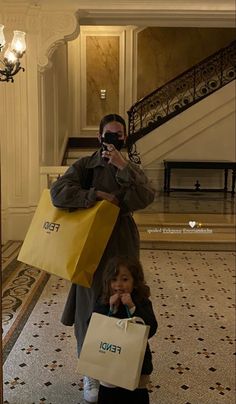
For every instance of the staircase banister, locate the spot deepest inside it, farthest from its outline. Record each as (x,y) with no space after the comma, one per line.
(194,67)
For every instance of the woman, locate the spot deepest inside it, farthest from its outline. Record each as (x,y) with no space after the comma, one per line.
(106,174)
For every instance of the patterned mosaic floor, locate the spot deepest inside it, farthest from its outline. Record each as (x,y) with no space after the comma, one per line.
(193,351)
(9,252)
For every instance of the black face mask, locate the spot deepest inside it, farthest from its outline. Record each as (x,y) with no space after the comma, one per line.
(112,138)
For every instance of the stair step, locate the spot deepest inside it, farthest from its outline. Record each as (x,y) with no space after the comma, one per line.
(152,218)
(173,231)
(213,241)
(184,246)
(188,237)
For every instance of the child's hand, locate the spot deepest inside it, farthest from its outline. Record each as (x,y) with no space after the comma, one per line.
(115,300)
(127,300)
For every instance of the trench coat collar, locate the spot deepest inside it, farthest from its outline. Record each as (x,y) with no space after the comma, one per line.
(96,160)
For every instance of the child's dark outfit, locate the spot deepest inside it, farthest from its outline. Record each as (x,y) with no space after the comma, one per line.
(118,395)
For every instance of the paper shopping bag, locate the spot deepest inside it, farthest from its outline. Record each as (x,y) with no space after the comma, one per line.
(68,244)
(113,350)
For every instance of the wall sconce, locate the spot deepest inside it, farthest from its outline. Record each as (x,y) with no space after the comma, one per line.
(15,51)
(103,94)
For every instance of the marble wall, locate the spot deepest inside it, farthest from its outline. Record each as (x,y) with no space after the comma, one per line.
(102,73)
(166,52)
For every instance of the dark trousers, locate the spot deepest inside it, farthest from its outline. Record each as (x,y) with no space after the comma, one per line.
(117,395)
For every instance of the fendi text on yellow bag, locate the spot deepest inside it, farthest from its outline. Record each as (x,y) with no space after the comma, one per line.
(68,244)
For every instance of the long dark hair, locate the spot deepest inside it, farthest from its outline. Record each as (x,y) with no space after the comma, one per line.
(111,118)
(134,266)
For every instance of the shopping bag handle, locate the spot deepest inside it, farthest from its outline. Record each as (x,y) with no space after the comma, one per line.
(126,308)
(123,322)
(127,311)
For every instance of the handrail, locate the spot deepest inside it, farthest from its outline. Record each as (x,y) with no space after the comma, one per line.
(180,93)
(49,174)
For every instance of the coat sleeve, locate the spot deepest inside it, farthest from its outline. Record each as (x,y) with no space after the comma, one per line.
(101,309)
(138,190)
(145,311)
(68,192)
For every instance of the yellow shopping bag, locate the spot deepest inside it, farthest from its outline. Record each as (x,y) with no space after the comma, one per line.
(68,244)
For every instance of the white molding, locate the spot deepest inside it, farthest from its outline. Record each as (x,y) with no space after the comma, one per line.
(155,4)
(122,92)
(137,30)
(4,147)
(42,119)
(162,18)
(74,83)
(55,115)
(15,222)
(63,148)
(55,29)
(96,5)
(15,142)
(129,82)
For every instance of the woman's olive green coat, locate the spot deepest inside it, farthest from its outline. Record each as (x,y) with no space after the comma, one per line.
(77,189)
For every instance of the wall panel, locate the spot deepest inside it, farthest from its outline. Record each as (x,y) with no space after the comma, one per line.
(102,70)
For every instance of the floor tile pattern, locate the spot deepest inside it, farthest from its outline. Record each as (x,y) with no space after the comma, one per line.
(21,289)
(9,252)
(193,351)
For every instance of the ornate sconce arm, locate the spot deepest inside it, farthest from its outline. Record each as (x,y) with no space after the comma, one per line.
(10,71)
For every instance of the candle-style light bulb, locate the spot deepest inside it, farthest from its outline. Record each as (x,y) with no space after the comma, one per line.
(10,56)
(18,44)
(2,37)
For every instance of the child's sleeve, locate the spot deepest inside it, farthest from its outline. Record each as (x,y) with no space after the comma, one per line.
(145,311)
(101,309)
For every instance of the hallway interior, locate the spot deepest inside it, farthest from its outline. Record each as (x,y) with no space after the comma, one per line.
(85,59)
(193,297)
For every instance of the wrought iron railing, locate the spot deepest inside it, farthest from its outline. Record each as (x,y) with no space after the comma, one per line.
(179,94)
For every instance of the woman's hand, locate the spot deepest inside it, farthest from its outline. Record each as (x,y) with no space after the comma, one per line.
(114,156)
(107,196)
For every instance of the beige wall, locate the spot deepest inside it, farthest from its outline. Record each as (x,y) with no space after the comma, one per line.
(206,131)
(166,52)
(54,108)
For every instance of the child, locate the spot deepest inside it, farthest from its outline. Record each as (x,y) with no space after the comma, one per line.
(125,294)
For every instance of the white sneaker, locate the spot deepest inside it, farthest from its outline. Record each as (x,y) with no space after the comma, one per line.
(91,387)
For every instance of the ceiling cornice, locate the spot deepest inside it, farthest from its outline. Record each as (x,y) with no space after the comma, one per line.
(217,18)
(202,13)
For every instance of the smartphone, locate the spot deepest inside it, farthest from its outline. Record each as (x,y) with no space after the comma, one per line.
(110,138)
